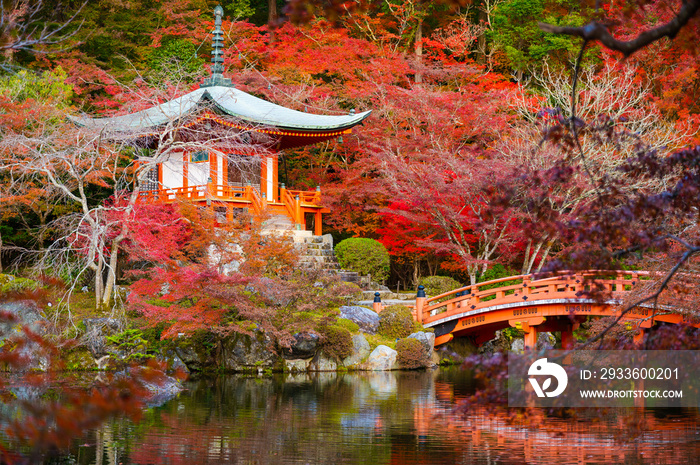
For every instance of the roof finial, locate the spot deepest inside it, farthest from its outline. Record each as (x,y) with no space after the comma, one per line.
(217,54)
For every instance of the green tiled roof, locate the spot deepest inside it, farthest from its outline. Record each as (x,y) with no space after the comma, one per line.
(227,100)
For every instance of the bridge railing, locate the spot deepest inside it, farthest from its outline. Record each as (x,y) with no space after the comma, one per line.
(524,288)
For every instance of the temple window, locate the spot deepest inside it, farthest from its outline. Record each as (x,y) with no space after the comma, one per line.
(199,157)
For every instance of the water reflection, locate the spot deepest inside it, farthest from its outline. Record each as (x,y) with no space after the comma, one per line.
(377,418)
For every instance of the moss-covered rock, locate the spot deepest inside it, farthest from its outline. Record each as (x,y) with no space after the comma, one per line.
(79,359)
(396,322)
(411,353)
(9,283)
(337,341)
(241,352)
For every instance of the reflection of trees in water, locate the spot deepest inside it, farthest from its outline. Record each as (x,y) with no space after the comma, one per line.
(379,418)
(558,436)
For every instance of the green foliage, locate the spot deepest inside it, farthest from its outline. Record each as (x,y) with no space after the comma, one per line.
(239,9)
(495,272)
(9,283)
(365,256)
(176,59)
(436,285)
(128,339)
(411,353)
(46,87)
(131,341)
(396,321)
(526,46)
(512,333)
(337,341)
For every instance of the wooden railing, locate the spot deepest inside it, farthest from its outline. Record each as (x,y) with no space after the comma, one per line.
(523,289)
(291,204)
(309,197)
(242,194)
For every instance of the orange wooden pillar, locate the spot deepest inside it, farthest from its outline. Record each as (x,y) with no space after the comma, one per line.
(567,339)
(531,338)
(185,169)
(299,215)
(529,327)
(377,304)
(420,303)
(638,337)
(317,223)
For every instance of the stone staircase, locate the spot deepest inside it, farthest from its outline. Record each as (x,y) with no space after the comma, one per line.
(317,252)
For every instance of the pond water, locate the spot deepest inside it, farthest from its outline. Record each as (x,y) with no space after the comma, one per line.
(376,418)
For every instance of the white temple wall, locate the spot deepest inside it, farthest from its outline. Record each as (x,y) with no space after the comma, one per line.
(198,173)
(220,171)
(173,172)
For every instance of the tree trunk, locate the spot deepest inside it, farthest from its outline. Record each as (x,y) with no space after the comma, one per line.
(526,260)
(272,18)
(0,253)
(416,272)
(546,253)
(419,45)
(98,283)
(472,269)
(272,11)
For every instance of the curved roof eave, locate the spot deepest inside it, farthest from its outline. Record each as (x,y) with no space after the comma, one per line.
(230,101)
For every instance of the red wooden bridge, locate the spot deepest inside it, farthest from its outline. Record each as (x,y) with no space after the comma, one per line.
(558,303)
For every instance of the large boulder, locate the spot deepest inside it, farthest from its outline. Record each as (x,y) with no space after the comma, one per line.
(304,346)
(366,319)
(25,316)
(241,352)
(425,338)
(79,359)
(360,351)
(174,363)
(499,343)
(96,332)
(518,345)
(196,355)
(545,341)
(382,358)
(321,362)
(456,351)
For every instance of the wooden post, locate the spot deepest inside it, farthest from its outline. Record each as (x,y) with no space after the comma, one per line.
(377,304)
(420,302)
(530,338)
(638,337)
(318,230)
(567,339)
(297,212)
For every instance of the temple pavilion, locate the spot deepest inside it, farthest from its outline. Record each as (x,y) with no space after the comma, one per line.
(234,142)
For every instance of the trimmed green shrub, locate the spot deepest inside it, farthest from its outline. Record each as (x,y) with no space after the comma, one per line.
(411,353)
(495,272)
(436,285)
(337,342)
(396,322)
(366,256)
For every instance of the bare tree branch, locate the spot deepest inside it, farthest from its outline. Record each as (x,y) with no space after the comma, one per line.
(599,32)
